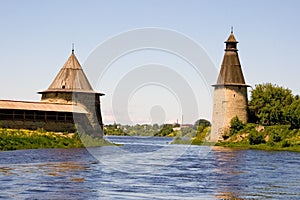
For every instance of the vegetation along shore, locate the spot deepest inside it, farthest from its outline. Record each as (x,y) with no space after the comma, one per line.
(274,124)
(13,139)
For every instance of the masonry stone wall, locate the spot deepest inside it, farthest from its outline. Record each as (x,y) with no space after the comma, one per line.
(34,125)
(89,101)
(229,101)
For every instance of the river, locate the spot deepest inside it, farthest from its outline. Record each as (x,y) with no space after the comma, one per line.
(149,168)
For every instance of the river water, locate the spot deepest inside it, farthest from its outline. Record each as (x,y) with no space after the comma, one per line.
(149,168)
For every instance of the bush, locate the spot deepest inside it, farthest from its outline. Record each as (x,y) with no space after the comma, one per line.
(285,143)
(256,138)
(236,125)
(275,137)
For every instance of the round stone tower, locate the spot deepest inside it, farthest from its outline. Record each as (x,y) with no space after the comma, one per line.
(230,92)
(71,86)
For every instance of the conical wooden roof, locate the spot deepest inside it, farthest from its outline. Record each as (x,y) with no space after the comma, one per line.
(231,70)
(70,78)
(231,38)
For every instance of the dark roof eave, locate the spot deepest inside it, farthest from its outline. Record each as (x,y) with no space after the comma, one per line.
(71,91)
(231,84)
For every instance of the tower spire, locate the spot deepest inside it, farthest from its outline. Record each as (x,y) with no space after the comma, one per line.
(72,48)
(231,70)
(231,42)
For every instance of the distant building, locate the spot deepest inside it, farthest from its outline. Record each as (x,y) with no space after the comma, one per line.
(230,92)
(70,99)
(177,128)
(182,126)
(186,126)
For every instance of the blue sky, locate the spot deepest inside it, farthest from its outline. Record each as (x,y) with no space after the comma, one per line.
(36,38)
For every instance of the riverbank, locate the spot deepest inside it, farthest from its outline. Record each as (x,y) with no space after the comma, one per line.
(271,138)
(252,136)
(264,147)
(14,139)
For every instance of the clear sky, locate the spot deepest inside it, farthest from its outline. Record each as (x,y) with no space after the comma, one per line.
(36,38)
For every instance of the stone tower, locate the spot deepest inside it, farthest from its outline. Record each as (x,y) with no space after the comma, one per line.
(71,86)
(230,92)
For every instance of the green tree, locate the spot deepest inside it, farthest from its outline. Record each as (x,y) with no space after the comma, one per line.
(268,103)
(201,122)
(165,130)
(188,132)
(155,126)
(201,134)
(292,114)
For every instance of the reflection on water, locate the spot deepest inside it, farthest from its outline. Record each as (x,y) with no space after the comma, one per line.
(45,174)
(62,168)
(199,173)
(250,174)
(227,195)
(5,171)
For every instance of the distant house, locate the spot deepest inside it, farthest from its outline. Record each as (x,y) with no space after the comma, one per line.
(187,126)
(69,100)
(183,126)
(176,129)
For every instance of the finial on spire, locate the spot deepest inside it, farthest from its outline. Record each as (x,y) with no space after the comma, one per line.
(72,48)
(231,29)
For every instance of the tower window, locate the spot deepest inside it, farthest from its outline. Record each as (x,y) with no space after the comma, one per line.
(234,95)
(63,87)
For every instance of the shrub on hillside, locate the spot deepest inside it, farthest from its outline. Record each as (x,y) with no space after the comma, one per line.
(256,138)
(285,143)
(236,125)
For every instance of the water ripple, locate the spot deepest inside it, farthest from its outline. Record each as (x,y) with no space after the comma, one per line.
(198,173)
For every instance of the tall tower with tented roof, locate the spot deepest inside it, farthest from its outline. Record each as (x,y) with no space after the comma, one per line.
(230,92)
(71,86)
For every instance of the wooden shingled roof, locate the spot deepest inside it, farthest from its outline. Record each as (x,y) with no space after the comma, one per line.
(40,106)
(231,71)
(71,78)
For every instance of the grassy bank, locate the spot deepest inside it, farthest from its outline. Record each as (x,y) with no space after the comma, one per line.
(251,136)
(13,139)
(272,138)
